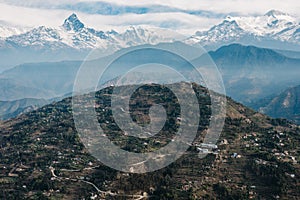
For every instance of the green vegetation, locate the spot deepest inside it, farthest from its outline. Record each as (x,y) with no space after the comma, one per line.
(42,156)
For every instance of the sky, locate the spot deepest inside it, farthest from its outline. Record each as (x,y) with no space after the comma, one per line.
(181,15)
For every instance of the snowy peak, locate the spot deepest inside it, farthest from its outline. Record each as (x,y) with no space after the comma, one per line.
(40,36)
(275,13)
(228,24)
(134,35)
(276,18)
(75,35)
(140,35)
(72,23)
(227,31)
(273,26)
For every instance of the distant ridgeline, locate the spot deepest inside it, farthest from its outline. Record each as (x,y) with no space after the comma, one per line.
(249,74)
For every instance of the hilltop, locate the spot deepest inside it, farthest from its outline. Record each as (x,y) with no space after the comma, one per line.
(42,156)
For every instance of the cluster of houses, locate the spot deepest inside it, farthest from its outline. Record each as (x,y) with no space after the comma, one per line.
(205,148)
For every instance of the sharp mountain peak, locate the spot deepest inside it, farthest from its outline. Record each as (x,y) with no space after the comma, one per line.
(73,23)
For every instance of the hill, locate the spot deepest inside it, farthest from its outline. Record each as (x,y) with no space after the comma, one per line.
(42,156)
(284,105)
(249,73)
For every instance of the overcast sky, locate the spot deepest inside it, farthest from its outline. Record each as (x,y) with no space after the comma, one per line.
(180,15)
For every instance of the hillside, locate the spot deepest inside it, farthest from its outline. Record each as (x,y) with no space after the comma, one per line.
(284,105)
(11,109)
(38,80)
(42,156)
(251,73)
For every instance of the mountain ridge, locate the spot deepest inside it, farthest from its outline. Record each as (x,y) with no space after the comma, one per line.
(74,34)
(274,26)
(73,40)
(228,59)
(246,53)
(284,105)
(271,30)
(251,73)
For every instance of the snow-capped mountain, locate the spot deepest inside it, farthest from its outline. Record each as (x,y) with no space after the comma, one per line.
(8,30)
(138,35)
(73,40)
(37,37)
(74,34)
(273,26)
(228,30)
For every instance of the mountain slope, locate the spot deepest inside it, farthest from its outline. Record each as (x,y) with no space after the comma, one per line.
(11,109)
(73,40)
(251,73)
(290,54)
(42,157)
(38,80)
(52,79)
(285,105)
(74,34)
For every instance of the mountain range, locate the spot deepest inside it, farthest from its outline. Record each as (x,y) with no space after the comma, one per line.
(74,40)
(275,29)
(256,157)
(74,34)
(249,73)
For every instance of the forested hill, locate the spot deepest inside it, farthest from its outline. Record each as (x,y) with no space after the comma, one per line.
(42,157)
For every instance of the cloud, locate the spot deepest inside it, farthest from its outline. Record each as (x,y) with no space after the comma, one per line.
(181,22)
(110,7)
(105,8)
(243,7)
(31,16)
